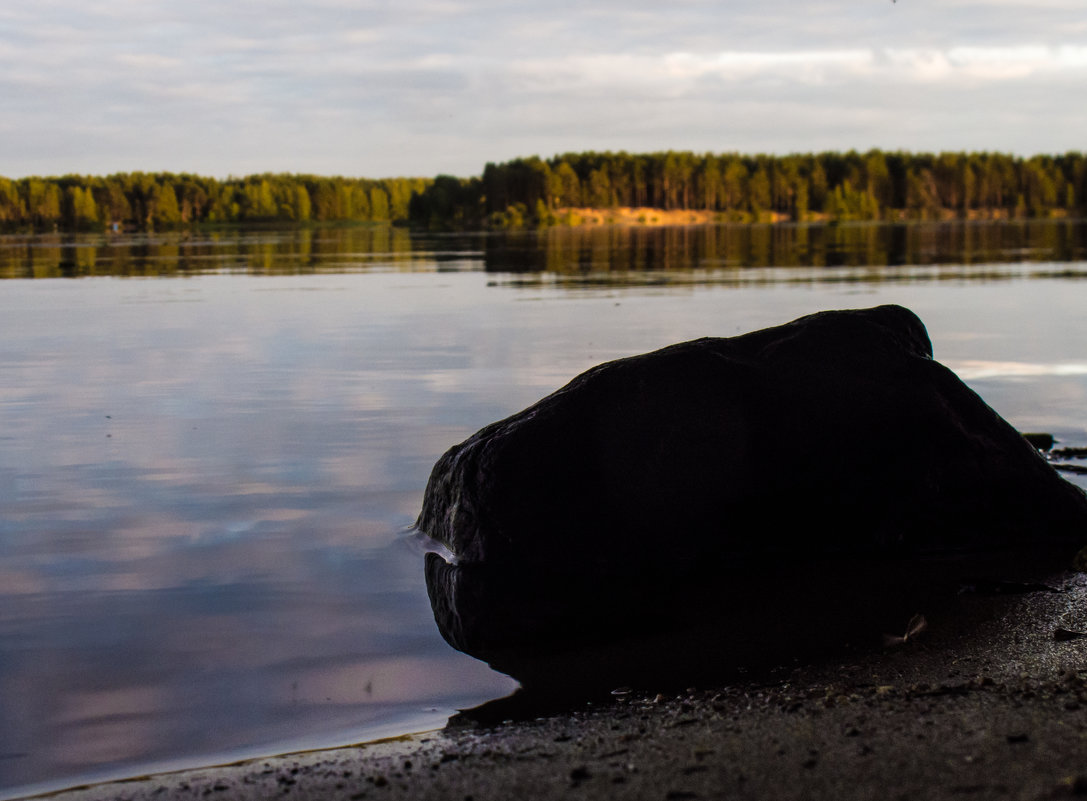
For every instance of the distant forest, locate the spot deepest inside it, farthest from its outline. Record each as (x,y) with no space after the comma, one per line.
(874,185)
(153,200)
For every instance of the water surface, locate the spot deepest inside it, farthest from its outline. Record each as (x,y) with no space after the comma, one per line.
(212,445)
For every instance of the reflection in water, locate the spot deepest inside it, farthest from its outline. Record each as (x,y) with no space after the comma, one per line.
(973,370)
(202,545)
(567,251)
(613,249)
(300,251)
(205,483)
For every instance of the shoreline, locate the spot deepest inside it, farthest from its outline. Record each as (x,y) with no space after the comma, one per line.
(561,217)
(651,216)
(111,788)
(230,759)
(986,703)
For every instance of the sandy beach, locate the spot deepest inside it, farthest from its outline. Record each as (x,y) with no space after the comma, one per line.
(989,702)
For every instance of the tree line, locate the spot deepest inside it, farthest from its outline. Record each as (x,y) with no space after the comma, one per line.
(836,186)
(151,200)
(874,185)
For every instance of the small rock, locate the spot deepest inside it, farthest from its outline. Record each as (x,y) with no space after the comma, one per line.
(1063,635)
(579,774)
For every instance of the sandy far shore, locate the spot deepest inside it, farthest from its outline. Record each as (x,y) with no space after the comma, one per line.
(987,704)
(626,215)
(648,216)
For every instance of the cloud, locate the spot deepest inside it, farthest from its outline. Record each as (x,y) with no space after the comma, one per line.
(148,61)
(429,86)
(989,63)
(742,64)
(687,71)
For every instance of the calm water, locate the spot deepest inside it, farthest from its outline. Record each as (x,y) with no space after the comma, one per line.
(212,445)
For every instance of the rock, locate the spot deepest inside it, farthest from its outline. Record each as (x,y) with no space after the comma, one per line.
(1041,441)
(769,493)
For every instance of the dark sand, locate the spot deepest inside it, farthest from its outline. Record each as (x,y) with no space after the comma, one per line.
(986,703)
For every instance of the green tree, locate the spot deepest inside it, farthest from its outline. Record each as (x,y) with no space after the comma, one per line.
(600,189)
(1039,187)
(569,185)
(301,207)
(379,204)
(43,202)
(735,184)
(192,197)
(708,183)
(166,210)
(11,205)
(880,188)
(84,212)
(260,202)
(758,192)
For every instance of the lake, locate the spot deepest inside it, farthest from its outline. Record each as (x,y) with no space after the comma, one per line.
(213,444)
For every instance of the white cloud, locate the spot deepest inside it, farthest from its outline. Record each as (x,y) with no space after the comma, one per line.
(990,63)
(742,63)
(145,61)
(954,66)
(429,86)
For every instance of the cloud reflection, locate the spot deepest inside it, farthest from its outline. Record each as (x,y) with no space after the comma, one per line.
(203,512)
(202,540)
(973,370)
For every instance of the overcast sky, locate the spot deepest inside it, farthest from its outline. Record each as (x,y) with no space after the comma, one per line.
(420,87)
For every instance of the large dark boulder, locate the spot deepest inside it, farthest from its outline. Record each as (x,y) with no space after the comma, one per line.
(803,484)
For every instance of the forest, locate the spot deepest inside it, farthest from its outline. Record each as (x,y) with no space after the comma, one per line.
(831,186)
(166,200)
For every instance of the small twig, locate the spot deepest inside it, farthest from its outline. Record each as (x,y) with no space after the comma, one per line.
(916,625)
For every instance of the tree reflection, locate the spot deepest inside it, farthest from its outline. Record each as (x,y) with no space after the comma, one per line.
(615,250)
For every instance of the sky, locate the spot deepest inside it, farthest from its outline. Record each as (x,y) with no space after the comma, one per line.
(381,88)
